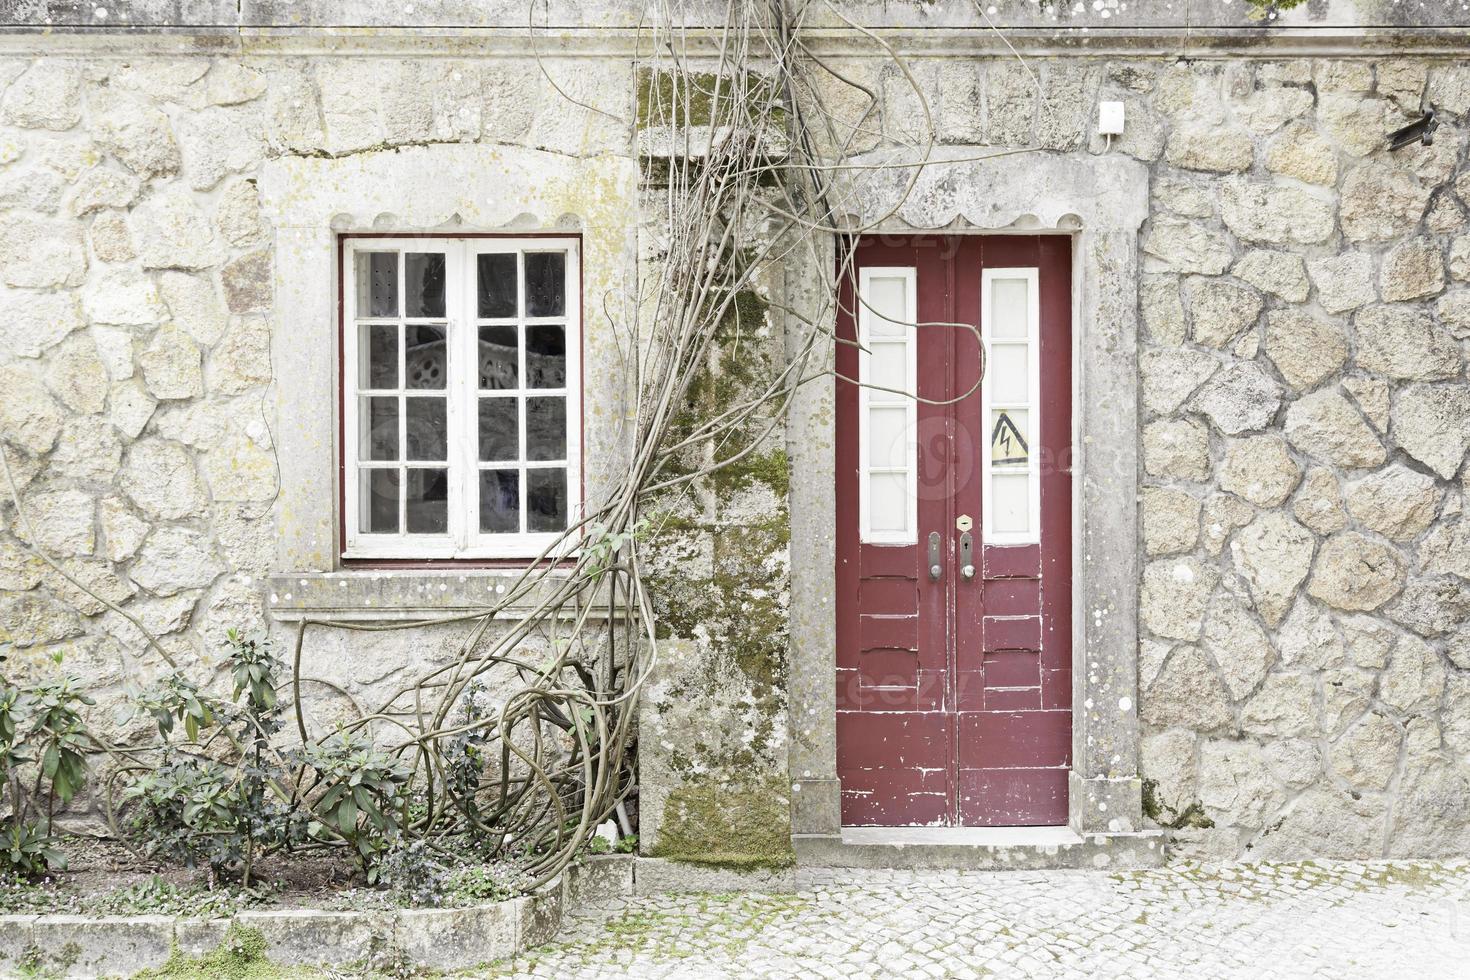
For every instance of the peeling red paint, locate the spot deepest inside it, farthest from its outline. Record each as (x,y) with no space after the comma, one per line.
(954,696)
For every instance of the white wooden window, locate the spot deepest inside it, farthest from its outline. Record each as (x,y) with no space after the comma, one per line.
(887,413)
(462,402)
(1010,405)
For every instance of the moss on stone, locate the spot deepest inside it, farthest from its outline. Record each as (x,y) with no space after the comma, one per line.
(769,468)
(664,99)
(672,99)
(239,956)
(1191,816)
(743,826)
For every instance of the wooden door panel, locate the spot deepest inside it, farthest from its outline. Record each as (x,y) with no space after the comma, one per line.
(954,695)
(1013,797)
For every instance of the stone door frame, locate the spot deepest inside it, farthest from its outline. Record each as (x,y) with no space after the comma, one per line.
(1102,202)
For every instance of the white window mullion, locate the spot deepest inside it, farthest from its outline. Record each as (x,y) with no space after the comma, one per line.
(897,338)
(468,397)
(1010,325)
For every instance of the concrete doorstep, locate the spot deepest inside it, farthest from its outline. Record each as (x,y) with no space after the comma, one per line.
(448,938)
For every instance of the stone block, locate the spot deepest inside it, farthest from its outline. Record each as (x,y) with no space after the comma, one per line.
(656,876)
(309,937)
(598,879)
(538,916)
(80,945)
(458,938)
(196,937)
(16,942)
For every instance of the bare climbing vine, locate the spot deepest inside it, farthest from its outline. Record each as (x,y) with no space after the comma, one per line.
(522,741)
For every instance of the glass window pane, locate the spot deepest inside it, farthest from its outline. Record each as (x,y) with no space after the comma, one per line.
(423,286)
(500,501)
(427,499)
(886,299)
(888,367)
(1008,374)
(1010,502)
(546,428)
(424,354)
(546,284)
(498,358)
(546,500)
(1010,437)
(496,284)
(546,355)
(378,426)
(888,502)
(377,346)
(427,428)
(1009,307)
(377,283)
(500,429)
(888,436)
(377,508)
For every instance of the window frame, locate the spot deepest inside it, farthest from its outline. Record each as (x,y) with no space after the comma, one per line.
(909,276)
(1033,408)
(462,542)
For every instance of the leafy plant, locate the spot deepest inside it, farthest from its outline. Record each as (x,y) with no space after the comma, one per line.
(195,808)
(473,884)
(1267,9)
(414,874)
(602,546)
(189,813)
(176,699)
(43,756)
(365,790)
(27,848)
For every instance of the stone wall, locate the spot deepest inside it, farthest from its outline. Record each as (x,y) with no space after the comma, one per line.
(1305,415)
(139,411)
(1304,665)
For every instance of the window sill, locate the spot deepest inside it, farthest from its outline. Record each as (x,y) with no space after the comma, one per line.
(411,593)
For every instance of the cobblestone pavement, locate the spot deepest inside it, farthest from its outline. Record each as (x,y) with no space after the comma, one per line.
(1399,919)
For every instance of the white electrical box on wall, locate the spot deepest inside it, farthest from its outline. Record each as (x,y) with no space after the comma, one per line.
(1110,118)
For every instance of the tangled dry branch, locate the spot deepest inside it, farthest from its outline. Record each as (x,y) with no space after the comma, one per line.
(521,743)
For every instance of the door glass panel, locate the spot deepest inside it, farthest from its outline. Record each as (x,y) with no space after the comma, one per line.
(888,367)
(378,355)
(377,284)
(546,500)
(546,428)
(500,501)
(1007,374)
(888,504)
(427,500)
(427,428)
(499,358)
(424,357)
(423,274)
(1010,437)
(888,436)
(546,355)
(1010,503)
(1009,308)
(377,508)
(380,423)
(546,285)
(886,299)
(500,429)
(496,284)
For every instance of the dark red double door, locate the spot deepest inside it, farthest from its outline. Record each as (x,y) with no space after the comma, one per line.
(954,539)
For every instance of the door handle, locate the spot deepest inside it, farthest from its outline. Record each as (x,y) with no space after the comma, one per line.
(936,568)
(967,556)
